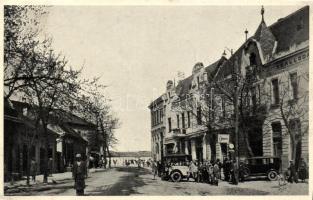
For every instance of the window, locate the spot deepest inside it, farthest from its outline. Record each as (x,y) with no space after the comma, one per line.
(152,118)
(294,85)
(223,107)
(277,139)
(183,119)
(188,116)
(252,59)
(169,124)
(253,99)
(177,121)
(275,87)
(198,81)
(161,117)
(157,148)
(199,117)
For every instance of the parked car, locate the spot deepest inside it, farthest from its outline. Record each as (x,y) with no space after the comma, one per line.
(262,166)
(176,167)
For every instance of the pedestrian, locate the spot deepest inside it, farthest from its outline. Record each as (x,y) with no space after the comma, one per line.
(79,175)
(303,170)
(234,172)
(50,167)
(216,173)
(193,170)
(226,169)
(210,172)
(220,166)
(154,169)
(200,172)
(33,169)
(292,170)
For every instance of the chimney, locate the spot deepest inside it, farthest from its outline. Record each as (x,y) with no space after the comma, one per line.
(246,33)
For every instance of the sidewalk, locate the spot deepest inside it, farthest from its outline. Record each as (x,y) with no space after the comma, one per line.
(38,185)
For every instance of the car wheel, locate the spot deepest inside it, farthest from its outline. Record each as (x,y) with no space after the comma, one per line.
(176,176)
(272,175)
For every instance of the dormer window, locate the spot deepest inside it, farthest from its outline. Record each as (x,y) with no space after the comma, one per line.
(252,59)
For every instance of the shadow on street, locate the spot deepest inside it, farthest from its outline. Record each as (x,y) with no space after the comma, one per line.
(126,185)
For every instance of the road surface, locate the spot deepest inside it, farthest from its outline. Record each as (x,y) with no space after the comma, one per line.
(134,181)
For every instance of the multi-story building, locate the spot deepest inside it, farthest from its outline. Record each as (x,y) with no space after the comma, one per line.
(157,109)
(265,80)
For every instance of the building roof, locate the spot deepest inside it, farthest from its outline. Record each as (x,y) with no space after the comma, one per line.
(183,87)
(292,29)
(156,102)
(71,118)
(284,31)
(71,132)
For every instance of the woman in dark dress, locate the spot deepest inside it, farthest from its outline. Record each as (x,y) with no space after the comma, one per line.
(79,175)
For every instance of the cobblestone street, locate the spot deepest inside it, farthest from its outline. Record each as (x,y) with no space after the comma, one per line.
(134,181)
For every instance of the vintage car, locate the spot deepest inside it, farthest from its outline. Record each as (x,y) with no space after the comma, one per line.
(176,167)
(262,166)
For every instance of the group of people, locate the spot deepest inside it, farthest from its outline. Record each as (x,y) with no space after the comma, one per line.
(139,162)
(294,175)
(229,170)
(211,171)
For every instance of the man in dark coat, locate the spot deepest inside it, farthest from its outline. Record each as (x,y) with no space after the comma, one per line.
(226,169)
(79,175)
(303,170)
(292,171)
(234,172)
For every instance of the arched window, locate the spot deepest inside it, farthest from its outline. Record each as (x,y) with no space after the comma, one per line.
(252,59)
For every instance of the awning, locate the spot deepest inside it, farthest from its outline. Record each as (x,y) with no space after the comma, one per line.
(57,129)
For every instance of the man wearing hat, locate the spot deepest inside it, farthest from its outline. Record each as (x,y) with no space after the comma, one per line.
(79,175)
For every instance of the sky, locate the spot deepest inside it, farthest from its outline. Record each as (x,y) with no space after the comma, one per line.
(137,49)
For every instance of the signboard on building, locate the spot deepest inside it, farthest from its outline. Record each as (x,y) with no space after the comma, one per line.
(223,138)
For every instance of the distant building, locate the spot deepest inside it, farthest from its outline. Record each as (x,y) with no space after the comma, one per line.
(157,109)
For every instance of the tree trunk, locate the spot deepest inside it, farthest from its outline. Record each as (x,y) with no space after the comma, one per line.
(104,156)
(246,138)
(109,156)
(45,175)
(104,144)
(293,147)
(28,166)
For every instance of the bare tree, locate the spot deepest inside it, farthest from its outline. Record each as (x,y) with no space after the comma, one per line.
(47,94)
(291,103)
(20,44)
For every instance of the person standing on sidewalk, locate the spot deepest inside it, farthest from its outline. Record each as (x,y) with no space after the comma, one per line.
(292,170)
(154,169)
(79,175)
(33,169)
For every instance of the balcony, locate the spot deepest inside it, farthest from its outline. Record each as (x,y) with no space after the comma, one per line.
(177,133)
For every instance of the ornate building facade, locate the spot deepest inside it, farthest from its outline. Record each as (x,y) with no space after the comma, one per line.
(262,89)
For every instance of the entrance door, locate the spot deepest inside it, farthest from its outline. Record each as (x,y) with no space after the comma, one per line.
(224,150)
(25,158)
